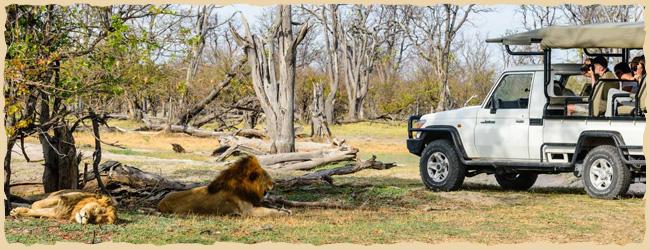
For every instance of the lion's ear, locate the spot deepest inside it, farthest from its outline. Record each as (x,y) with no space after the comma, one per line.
(253,176)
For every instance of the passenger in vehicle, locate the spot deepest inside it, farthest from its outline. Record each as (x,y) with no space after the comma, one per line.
(628,87)
(587,70)
(637,65)
(600,68)
(596,69)
(623,72)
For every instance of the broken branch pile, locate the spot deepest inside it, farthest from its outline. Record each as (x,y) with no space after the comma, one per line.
(134,188)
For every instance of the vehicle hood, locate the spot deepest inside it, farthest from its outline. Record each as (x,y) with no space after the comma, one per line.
(451,115)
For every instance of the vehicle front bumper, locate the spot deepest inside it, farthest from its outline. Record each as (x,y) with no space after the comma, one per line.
(414,146)
(413,143)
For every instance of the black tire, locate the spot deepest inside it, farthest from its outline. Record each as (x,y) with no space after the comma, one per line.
(454,174)
(605,159)
(518,181)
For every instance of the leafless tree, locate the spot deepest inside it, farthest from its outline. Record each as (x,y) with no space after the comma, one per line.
(272,59)
(432,30)
(331,33)
(359,44)
(596,13)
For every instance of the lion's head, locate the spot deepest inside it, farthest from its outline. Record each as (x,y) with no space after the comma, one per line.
(245,178)
(95,210)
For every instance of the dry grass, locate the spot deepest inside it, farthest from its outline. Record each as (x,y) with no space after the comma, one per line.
(389,206)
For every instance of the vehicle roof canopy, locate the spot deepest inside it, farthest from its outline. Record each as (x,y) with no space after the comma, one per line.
(603,35)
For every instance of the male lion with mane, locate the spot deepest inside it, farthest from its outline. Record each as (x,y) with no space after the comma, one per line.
(73,205)
(238,190)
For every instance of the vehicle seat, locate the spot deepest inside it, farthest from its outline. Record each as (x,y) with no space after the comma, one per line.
(640,97)
(586,90)
(599,97)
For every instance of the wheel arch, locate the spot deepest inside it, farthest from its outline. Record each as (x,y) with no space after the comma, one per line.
(593,138)
(450,133)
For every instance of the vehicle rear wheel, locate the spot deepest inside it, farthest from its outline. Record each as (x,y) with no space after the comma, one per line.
(605,176)
(440,167)
(516,181)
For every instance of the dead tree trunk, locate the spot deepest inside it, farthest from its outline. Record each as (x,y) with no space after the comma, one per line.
(319,125)
(359,54)
(273,61)
(333,57)
(198,45)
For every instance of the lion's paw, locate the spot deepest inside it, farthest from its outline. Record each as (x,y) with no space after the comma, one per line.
(18,211)
(81,217)
(284,211)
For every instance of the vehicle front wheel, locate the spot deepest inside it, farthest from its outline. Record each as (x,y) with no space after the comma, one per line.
(440,167)
(605,176)
(517,181)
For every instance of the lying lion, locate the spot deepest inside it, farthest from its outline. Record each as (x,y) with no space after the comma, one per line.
(73,205)
(238,190)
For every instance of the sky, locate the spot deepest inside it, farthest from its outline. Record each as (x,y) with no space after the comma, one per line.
(503,17)
(492,24)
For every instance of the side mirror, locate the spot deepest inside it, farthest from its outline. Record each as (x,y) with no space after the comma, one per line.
(493,106)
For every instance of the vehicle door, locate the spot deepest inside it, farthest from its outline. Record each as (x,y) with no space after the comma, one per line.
(501,130)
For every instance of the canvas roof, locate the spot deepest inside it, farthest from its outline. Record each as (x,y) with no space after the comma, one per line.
(605,35)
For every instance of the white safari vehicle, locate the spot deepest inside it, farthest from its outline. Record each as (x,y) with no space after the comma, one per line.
(523,127)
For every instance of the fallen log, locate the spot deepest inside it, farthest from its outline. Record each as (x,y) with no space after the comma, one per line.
(118,173)
(317,162)
(296,156)
(325,176)
(235,151)
(182,129)
(133,187)
(117,116)
(251,133)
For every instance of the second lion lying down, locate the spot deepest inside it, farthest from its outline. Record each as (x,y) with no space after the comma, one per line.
(73,205)
(238,190)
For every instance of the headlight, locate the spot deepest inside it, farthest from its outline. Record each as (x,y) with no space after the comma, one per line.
(419,123)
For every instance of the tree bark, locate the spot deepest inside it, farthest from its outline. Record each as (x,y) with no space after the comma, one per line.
(7,188)
(319,125)
(61,160)
(333,57)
